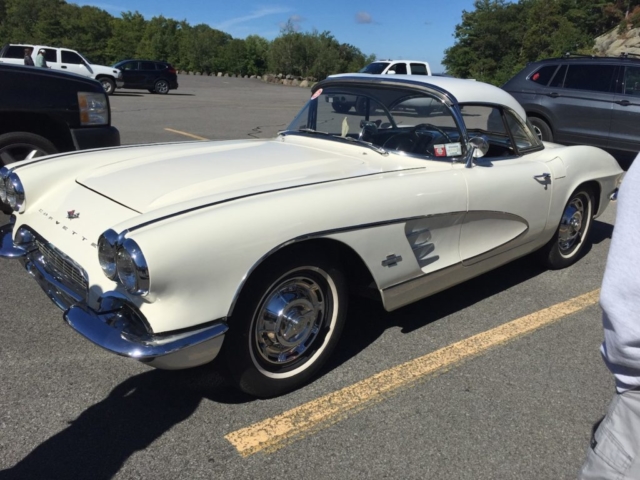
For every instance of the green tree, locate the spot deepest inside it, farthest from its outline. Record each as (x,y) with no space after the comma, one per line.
(256,53)
(126,35)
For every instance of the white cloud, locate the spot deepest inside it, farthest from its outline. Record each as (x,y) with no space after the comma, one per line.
(263,12)
(363,17)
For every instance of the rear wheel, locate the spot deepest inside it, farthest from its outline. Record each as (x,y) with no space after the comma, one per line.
(568,243)
(542,129)
(162,86)
(108,84)
(286,325)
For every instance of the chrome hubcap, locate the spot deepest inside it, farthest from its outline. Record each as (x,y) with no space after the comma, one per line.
(162,87)
(290,319)
(571,225)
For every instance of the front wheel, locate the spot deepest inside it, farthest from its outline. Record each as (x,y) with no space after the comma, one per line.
(568,242)
(287,323)
(108,84)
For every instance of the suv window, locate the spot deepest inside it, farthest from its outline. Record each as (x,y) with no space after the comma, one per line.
(597,78)
(399,68)
(544,74)
(147,66)
(632,81)
(418,69)
(14,51)
(129,66)
(558,78)
(71,57)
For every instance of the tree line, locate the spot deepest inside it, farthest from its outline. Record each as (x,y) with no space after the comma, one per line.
(498,38)
(105,39)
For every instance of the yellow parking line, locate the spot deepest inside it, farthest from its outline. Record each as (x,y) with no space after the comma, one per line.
(276,432)
(197,137)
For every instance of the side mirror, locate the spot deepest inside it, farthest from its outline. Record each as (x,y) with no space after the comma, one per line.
(482,145)
(477,148)
(391,72)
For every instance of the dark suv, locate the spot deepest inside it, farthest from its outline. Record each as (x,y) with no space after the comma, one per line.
(583,100)
(44,111)
(157,77)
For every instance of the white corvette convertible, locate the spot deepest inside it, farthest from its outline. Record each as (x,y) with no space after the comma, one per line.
(174,254)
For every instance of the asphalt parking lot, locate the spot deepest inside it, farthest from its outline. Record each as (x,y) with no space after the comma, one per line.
(516,406)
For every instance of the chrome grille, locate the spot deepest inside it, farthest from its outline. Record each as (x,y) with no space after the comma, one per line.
(62,267)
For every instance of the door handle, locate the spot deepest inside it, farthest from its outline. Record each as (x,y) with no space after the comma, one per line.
(553,95)
(63,66)
(543,179)
(624,103)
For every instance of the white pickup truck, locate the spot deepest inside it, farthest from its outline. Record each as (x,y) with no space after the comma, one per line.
(65,60)
(344,103)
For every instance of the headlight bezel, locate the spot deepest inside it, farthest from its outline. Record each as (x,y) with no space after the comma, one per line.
(121,260)
(4,173)
(15,194)
(108,244)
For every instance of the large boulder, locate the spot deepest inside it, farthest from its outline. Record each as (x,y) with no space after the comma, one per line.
(305,83)
(219,74)
(613,44)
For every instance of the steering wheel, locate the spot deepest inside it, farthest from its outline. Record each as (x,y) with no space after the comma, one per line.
(430,126)
(411,141)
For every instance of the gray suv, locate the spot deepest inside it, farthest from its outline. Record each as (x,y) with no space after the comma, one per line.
(583,101)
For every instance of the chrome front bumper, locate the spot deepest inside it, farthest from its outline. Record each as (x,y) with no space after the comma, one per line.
(111,331)
(118,327)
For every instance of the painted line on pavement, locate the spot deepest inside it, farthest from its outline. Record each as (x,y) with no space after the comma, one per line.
(197,137)
(276,432)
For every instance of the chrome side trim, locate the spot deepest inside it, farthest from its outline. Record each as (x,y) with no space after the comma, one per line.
(321,234)
(171,351)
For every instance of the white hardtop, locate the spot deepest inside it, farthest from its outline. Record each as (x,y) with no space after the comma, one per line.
(465,91)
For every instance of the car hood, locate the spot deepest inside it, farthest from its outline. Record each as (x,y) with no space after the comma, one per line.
(149,178)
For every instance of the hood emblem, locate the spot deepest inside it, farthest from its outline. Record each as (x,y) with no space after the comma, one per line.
(71,214)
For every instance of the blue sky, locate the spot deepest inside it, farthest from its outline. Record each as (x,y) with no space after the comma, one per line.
(419,29)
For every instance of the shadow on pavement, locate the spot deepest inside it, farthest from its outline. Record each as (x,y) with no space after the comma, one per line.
(135,414)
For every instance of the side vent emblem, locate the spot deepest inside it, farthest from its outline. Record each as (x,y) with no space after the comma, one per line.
(391,260)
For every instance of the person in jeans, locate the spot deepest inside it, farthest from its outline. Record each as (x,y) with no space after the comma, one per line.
(27,57)
(615,444)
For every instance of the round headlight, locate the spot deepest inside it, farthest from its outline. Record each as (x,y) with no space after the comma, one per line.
(107,244)
(132,268)
(15,193)
(4,173)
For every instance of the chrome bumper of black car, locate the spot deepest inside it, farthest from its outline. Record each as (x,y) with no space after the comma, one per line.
(118,327)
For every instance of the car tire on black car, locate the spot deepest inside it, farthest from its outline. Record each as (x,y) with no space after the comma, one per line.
(568,243)
(162,86)
(108,84)
(16,146)
(286,324)
(542,129)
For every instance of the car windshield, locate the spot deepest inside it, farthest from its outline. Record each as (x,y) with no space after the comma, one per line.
(393,120)
(374,68)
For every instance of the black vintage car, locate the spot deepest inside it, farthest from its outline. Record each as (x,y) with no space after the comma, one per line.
(44,111)
(157,77)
